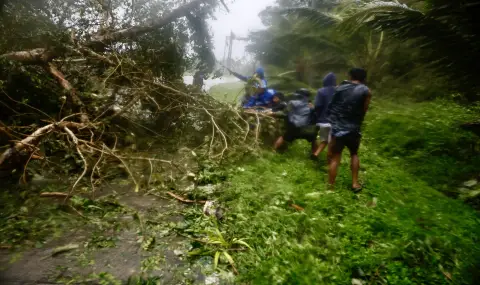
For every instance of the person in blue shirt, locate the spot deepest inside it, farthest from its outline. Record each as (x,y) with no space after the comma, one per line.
(324,96)
(261,96)
(263,100)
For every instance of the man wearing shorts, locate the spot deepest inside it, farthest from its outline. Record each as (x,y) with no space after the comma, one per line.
(324,96)
(299,121)
(346,113)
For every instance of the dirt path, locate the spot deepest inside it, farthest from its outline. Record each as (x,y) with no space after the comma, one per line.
(142,243)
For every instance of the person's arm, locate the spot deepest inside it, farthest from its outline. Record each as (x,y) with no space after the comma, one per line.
(367,101)
(239,76)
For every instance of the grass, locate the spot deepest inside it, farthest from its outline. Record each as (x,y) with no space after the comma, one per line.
(399,230)
(414,235)
(426,137)
(228,92)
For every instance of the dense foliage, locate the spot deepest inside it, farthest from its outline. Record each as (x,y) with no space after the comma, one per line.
(110,70)
(402,40)
(94,89)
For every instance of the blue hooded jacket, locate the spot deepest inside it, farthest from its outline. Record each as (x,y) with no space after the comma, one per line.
(324,96)
(263,99)
(260,72)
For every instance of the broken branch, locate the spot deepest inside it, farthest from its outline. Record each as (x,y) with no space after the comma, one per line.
(69,88)
(85,164)
(33,139)
(140,30)
(53,195)
(34,56)
(184,200)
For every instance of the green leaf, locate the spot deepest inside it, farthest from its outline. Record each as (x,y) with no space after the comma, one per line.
(239,241)
(229,258)
(215,260)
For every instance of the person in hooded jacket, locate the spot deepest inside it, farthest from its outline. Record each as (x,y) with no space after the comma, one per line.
(261,96)
(322,100)
(299,123)
(346,113)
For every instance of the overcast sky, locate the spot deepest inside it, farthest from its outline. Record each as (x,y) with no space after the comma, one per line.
(243,17)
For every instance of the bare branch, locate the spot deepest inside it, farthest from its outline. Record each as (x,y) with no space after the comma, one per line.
(85,164)
(184,200)
(69,88)
(140,30)
(225,5)
(53,194)
(34,56)
(33,139)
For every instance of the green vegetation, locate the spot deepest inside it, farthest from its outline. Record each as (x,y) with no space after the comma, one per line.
(228,92)
(399,230)
(100,106)
(427,138)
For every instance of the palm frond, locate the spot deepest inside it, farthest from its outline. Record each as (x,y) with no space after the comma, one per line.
(438,32)
(374,11)
(316,18)
(309,41)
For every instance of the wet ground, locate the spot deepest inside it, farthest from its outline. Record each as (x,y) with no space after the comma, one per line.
(138,242)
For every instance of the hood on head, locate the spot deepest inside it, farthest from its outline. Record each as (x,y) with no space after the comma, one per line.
(260,72)
(301,94)
(330,80)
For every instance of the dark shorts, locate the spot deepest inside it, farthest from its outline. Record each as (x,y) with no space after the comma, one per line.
(350,141)
(292,133)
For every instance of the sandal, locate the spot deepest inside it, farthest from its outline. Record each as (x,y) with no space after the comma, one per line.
(358,189)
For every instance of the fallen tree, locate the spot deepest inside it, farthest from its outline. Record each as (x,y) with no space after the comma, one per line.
(110,79)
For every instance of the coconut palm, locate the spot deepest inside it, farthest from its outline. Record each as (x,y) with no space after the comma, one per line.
(444,30)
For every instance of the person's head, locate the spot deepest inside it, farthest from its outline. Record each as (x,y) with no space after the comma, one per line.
(330,80)
(260,72)
(302,94)
(358,74)
(278,97)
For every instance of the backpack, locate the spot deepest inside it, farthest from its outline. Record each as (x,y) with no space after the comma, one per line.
(300,114)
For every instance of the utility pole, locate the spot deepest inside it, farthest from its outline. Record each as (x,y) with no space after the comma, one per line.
(224,53)
(229,45)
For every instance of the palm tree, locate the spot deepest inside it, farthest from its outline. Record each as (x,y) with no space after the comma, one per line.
(315,36)
(444,30)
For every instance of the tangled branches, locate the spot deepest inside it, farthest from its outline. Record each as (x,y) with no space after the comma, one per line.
(112,95)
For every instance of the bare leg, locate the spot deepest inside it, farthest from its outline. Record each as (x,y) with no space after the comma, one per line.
(355,166)
(334,158)
(320,148)
(333,164)
(315,147)
(278,143)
